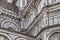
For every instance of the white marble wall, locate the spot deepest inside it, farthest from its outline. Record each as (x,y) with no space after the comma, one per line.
(12,36)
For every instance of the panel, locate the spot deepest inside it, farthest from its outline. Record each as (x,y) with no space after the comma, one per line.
(50,20)
(55,20)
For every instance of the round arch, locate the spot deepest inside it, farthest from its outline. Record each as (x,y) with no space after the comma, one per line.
(52,33)
(12,24)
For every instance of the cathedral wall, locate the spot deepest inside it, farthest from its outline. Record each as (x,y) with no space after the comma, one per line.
(13,35)
(45,34)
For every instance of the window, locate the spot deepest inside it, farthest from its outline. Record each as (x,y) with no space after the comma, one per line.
(22,24)
(23,3)
(31,17)
(39,8)
(10,1)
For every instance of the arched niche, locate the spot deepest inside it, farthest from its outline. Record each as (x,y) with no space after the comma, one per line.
(10,25)
(21,4)
(54,36)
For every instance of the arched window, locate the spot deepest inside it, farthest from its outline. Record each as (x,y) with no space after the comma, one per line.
(23,3)
(10,1)
(31,17)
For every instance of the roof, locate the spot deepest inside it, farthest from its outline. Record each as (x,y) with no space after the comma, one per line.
(9,6)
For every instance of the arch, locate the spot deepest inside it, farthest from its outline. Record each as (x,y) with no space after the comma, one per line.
(23,3)
(54,35)
(55,32)
(19,38)
(11,24)
(6,35)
